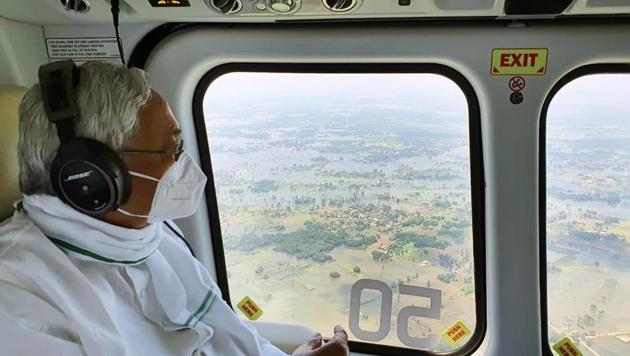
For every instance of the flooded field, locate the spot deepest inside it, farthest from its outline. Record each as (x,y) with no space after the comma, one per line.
(314,198)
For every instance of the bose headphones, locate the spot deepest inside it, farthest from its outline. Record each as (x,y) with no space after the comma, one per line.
(85,173)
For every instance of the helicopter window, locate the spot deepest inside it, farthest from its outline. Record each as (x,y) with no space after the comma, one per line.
(587,168)
(346,198)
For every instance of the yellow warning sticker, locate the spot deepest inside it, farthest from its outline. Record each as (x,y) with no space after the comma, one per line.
(456,333)
(519,61)
(251,310)
(565,347)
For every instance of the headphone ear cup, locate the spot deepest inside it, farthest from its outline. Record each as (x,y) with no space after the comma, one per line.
(90,177)
(119,172)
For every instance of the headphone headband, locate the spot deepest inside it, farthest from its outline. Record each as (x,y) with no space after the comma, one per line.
(58,81)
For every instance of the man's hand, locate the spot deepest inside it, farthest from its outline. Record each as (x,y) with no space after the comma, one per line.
(336,346)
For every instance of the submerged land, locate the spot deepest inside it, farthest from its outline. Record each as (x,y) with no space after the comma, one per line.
(312,201)
(588,232)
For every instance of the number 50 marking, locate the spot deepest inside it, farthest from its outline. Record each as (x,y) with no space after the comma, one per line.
(402,326)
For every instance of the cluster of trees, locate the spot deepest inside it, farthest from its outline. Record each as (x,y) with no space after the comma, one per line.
(246,243)
(594,236)
(413,221)
(375,173)
(303,200)
(437,174)
(426,222)
(446,261)
(441,204)
(335,274)
(447,277)
(455,229)
(263,186)
(407,173)
(610,198)
(314,240)
(419,241)
(361,241)
(380,256)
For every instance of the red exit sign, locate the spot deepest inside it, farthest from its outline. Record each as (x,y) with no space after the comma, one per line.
(519,61)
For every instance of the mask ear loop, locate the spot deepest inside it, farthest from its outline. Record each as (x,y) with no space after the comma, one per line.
(125,212)
(137,174)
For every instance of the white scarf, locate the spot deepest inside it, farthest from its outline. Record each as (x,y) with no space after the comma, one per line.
(174,290)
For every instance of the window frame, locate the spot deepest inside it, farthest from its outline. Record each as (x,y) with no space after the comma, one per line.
(586,70)
(477,189)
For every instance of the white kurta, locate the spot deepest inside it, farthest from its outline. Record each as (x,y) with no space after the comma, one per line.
(53,303)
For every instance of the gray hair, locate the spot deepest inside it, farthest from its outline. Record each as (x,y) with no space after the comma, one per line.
(109,99)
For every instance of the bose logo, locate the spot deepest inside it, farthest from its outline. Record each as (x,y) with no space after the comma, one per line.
(78,176)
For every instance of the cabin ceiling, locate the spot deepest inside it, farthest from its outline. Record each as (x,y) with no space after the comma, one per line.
(98,11)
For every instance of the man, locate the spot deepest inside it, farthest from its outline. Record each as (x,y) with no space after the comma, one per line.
(122,283)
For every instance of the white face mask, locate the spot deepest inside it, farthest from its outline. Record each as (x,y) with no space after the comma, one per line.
(178,192)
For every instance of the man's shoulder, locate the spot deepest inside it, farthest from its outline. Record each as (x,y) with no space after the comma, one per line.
(15,232)
(25,252)
(21,257)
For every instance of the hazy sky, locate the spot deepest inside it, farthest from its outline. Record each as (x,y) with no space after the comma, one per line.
(603,93)
(424,91)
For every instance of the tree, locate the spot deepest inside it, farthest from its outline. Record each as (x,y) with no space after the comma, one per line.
(447,277)
(394,286)
(334,274)
(380,256)
(446,261)
(356,269)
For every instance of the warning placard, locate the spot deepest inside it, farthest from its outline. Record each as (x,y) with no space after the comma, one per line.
(456,333)
(565,347)
(251,310)
(519,61)
(82,48)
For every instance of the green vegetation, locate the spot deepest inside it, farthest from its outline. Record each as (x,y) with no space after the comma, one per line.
(263,186)
(246,243)
(446,261)
(455,229)
(334,274)
(447,277)
(361,241)
(419,241)
(356,269)
(380,256)
(407,173)
(322,258)
(413,221)
(314,240)
(394,286)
